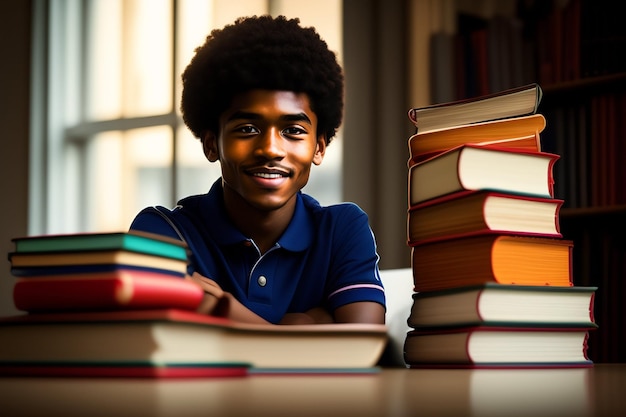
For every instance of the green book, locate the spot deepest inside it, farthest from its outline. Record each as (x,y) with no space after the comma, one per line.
(134,241)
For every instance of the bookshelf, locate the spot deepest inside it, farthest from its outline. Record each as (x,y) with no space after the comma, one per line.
(587,127)
(571,49)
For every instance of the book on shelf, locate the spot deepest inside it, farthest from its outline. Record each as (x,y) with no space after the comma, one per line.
(504,259)
(443,85)
(504,305)
(477,212)
(508,64)
(96,257)
(516,133)
(518,101)
(471,167)
(498,347)
(135,241)
(179,337)
(120,289)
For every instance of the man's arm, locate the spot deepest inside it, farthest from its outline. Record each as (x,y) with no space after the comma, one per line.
(359,312)
(221,303)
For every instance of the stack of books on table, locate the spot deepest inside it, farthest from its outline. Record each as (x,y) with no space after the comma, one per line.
(118,305)
(492,272)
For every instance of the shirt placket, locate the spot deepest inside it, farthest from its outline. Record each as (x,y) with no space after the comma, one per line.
(262,276)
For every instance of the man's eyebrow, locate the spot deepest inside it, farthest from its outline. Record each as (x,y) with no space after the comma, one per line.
(242,115)
(298,117)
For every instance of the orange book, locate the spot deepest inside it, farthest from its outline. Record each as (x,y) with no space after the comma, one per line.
(514,133)
(504,259)
(120,289)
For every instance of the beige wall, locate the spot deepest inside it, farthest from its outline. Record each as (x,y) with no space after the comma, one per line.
(14,120)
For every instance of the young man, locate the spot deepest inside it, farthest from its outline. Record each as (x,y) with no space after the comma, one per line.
(265,97)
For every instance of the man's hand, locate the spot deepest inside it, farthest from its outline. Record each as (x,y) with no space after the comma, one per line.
(361,312)
(212,293)
(217,302)
(317,315)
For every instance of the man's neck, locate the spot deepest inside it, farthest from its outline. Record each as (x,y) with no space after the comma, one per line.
(264,227)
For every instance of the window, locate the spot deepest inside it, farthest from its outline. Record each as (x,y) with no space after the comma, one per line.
(108,138)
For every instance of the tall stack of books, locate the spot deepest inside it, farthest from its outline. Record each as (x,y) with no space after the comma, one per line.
(118,305)
(492,273)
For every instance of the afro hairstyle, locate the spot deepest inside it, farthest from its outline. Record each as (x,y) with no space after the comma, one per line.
(261,52)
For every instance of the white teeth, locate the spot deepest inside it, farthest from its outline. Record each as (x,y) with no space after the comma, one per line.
(267,176)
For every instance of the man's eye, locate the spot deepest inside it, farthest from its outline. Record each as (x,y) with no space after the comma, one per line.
(294,130)
(247,129)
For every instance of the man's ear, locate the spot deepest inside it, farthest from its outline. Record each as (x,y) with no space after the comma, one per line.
(209,145)
(320,150)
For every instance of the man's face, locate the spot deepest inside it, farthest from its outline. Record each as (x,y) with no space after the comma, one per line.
(266,145)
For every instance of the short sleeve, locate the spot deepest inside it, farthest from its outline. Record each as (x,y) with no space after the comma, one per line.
(355,275)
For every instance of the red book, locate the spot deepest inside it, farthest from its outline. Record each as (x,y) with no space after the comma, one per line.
(479,212)
(495,304)
(120,289)
(484,346)
(470,168)
(219,370)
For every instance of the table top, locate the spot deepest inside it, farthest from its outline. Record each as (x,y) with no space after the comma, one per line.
(599,391)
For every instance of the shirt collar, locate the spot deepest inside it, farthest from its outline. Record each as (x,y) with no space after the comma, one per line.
(297,237)
(299,233)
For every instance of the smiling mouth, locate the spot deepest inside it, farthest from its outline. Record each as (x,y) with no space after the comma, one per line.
(268,175)
(269,172)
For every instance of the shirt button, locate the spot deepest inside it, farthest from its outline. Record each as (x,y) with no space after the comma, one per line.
(262,281)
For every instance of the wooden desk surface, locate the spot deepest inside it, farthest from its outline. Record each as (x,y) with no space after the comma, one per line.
(599,391)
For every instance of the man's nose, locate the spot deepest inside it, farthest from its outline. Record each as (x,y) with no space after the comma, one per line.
(270,144)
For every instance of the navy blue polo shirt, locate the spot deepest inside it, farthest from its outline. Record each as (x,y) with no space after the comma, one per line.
(326,256)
